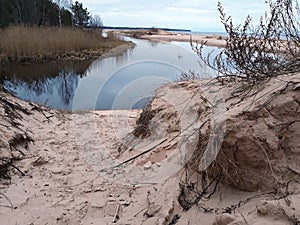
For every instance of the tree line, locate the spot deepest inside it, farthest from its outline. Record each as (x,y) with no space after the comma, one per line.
(46,13)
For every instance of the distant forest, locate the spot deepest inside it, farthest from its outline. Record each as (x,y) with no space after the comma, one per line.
(46,13)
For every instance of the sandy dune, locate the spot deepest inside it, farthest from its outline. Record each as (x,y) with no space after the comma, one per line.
(74,170)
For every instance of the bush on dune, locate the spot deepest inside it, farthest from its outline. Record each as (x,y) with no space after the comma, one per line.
(255,53)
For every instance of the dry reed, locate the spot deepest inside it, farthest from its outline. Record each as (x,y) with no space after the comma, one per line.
(22,44)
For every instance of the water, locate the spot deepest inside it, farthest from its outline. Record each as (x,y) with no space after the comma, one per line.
(125,81)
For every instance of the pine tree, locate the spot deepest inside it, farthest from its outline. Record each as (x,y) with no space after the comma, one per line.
(81,16)
(6,16)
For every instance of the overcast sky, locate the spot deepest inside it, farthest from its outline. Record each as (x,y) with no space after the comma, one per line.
(197,15)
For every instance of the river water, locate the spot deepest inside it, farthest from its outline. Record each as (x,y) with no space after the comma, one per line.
(125,81)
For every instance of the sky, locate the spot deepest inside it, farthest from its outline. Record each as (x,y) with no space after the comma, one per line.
(196,15)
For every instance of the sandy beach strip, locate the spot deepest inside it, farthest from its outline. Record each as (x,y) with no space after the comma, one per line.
(213,40)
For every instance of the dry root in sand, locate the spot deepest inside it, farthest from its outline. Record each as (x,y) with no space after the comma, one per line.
(142,125)
(18,139)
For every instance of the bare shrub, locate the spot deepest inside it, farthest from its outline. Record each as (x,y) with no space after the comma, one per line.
(255,53)
(142,125)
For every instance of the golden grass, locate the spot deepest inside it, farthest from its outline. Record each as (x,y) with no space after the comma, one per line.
(35,44)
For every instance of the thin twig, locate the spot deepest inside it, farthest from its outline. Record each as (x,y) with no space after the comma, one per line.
(10,163)
(134,157)
(115,219)
(11,204)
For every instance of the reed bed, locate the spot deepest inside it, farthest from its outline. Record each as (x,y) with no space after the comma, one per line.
(35,44)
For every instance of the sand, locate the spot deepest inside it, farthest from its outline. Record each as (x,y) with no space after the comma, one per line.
(209,40)
(70,178)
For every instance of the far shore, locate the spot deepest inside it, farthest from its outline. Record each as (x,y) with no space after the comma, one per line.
(216,41)
(160,35)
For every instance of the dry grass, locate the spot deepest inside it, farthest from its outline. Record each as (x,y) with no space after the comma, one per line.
(35,44)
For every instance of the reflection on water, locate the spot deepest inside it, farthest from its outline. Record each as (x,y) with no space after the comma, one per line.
(134,82)
(127,80)
(51,85)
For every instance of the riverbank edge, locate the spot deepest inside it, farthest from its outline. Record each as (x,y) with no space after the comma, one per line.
(75,56)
